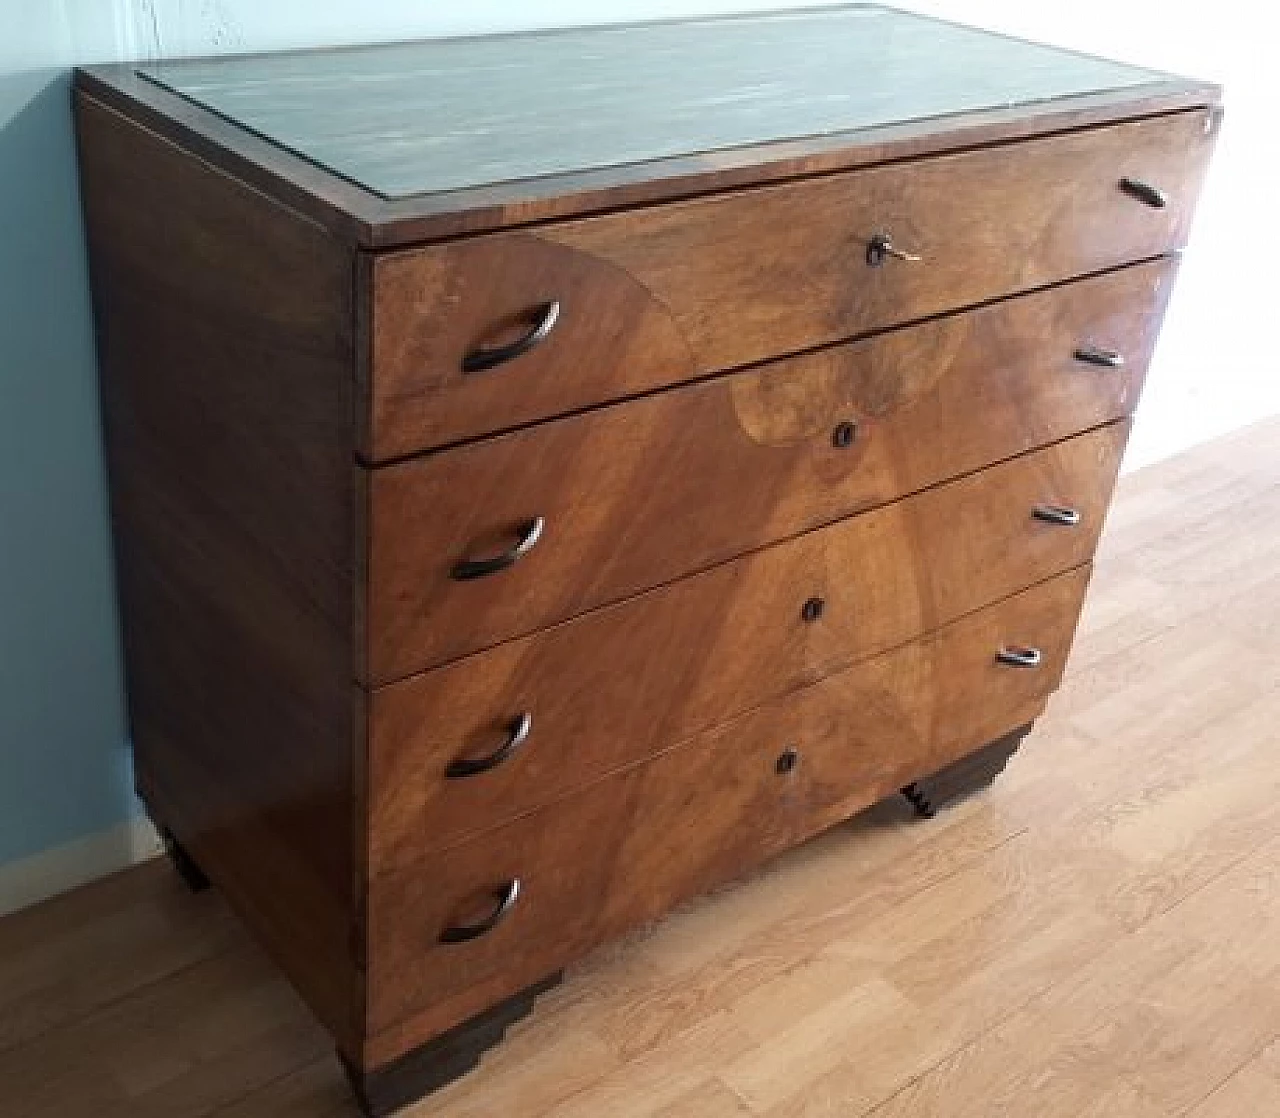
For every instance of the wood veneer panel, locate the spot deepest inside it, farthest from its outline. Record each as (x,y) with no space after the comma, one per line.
(858,735)
(225,348)
(630,847)
(618,684)
(639,494)
(660,295)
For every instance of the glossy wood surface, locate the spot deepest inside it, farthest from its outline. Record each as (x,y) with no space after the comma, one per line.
(1096,933)
(619,684)
(225,348)
(497,104)
(420,615)
(638,494)
(692,288)
(703,815)
(630,847)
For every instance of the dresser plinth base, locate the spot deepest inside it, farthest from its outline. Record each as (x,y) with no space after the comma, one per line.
(964,777)
(442,1060)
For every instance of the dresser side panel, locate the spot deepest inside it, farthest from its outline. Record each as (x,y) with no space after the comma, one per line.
(224,327)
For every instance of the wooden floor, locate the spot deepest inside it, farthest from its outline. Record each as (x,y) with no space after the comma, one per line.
(1097,936)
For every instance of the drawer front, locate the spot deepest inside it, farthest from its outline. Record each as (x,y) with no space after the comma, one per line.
(636,495)
(629,847)
(854,738)
(658,295)
(616,685)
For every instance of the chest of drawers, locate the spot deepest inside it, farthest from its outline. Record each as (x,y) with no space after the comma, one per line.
(554,473)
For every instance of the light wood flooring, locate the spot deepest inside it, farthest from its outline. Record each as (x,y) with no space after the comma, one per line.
(1099,935)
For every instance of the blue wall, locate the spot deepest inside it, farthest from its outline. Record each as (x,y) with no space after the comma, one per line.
(63,760)
(64,769)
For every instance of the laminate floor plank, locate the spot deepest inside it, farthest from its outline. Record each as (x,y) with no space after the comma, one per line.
(1249,1091)
(179,1048)
(137,928)
(1169,1012)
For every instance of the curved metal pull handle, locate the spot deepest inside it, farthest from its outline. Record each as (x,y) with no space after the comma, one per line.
(517,735)
(881,245)
(1057,514)
(530,534)
(505,897)
(1152,196)
(1096,355)
(1019,657)
(478,360)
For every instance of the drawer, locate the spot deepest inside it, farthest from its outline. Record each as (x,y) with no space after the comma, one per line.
(708,810)
(638,494)
(627,848)
(616,685)
(656,295)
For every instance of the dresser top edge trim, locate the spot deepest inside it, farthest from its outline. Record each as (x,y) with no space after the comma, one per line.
(367,220)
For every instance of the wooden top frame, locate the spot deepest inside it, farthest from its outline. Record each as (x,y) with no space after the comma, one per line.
(368,219)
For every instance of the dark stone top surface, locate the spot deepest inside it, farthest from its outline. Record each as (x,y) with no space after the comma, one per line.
(436,115)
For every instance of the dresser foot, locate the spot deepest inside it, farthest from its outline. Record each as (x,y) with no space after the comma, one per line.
(442,1060)
(192,875)
(964,777)
(917,798)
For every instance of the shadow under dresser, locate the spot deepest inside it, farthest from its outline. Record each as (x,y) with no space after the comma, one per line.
(554,472)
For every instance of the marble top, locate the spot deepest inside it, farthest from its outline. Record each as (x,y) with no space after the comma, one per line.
(436,115)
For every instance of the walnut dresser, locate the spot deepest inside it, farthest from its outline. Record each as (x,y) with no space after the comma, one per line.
(553,473)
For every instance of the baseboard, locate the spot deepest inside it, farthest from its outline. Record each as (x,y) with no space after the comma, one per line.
(37,877)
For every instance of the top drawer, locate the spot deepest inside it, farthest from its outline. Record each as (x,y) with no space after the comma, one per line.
(573,314)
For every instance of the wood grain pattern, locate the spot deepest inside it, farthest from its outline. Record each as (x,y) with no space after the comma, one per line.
(748,276)
(612,334)
(420,616)
(630,847)
(225,348)
(618,684)
(137,929)
(638,494)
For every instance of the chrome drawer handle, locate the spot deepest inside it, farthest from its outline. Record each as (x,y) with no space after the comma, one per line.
(517,735)
(881,245)
(530,534)
(1019,657)
(478,360)
(1152,196)
(1057,514)
(505,897)
(1096,355)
